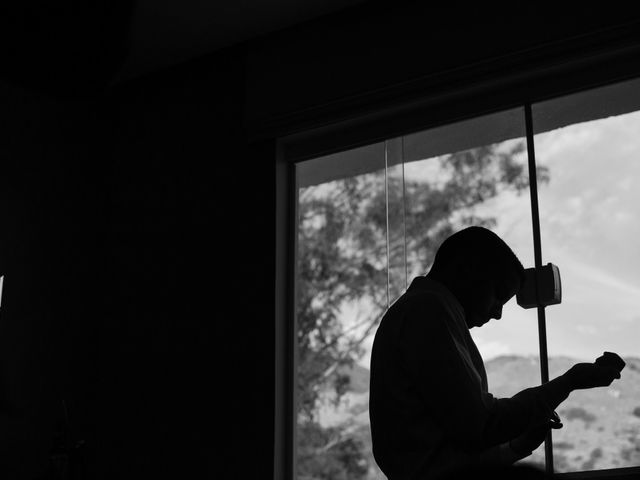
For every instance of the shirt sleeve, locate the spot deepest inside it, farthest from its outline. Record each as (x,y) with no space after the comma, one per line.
(450,392)
(509,417)
(500,455)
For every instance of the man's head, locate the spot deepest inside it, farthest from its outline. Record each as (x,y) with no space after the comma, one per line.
(480,270)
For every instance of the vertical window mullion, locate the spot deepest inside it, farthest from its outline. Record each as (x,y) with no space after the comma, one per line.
(404,219)
(537,248)
(386,206)
(285,314)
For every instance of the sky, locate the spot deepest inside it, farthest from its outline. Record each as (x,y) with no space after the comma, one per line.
(590,228)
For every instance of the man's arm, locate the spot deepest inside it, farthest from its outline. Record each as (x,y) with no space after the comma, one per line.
(528,408)
(454,395)
(541,401)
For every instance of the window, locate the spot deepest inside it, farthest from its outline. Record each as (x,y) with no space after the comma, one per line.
(370,219)
(590,222)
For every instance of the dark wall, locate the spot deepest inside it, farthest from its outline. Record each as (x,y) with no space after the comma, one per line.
(188,351)
(137,240)
(137,248)
(138,228)
(52,219)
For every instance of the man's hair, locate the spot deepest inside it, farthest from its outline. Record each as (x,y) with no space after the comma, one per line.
(478,246)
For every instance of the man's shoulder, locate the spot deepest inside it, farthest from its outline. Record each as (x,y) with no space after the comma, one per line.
(424,298)
(421,308)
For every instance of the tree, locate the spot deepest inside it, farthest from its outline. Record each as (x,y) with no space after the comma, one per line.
(348,255)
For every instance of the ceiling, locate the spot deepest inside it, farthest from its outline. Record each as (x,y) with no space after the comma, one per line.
(166,32)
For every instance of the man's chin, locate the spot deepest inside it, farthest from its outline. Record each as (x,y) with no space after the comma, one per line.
(479,322)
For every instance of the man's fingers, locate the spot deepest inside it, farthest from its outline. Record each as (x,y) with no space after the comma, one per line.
(613,373)
(608,374)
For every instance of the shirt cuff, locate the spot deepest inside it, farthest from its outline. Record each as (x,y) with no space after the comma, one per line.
(509,456)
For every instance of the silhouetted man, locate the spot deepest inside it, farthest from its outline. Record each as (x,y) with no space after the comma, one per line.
(430,409)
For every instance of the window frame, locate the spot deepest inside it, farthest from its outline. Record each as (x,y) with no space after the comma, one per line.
(384,123)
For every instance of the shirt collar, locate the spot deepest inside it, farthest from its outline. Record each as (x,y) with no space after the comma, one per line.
(426,284)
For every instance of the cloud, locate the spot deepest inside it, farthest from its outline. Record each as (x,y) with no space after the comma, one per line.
(608,282)
(587,329)
(492,349)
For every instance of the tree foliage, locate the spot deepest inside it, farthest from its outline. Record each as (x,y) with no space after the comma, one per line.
(359,240)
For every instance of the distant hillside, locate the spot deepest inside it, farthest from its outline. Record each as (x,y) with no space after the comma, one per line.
(601,426)
(509,374)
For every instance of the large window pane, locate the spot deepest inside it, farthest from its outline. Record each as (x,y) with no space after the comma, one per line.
(369,221)
(590,225)
(483,183)
(342,287)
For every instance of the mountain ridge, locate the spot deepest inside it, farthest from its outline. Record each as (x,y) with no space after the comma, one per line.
(601,425)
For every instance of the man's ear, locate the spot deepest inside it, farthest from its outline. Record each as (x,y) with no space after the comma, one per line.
(472,276)
(459,266)
(473,268)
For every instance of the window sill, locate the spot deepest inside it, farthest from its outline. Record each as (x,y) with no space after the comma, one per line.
(613,474)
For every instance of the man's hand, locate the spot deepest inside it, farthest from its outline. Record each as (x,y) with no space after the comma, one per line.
(526,443)
(590,375)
